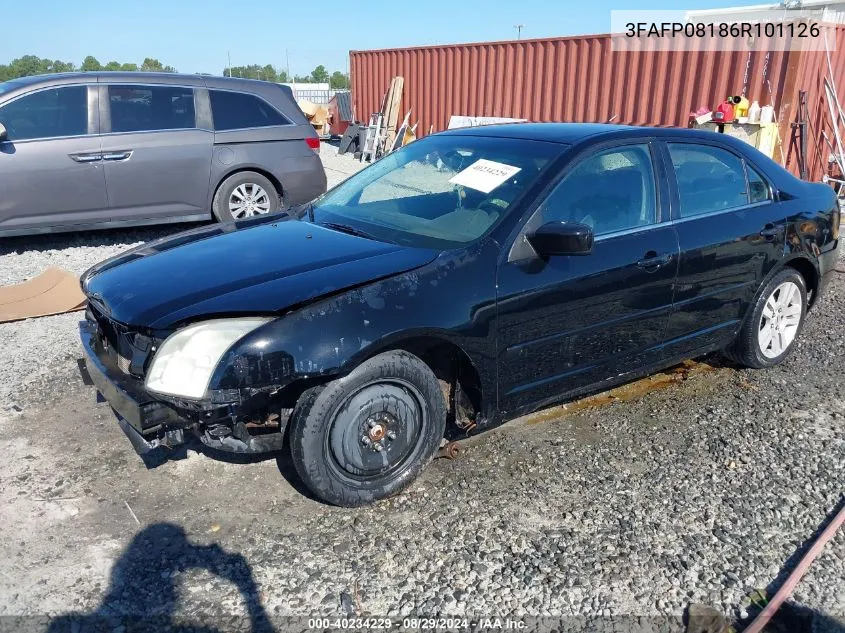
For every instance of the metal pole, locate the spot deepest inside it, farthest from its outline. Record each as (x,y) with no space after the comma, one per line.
(229,55)
(802,108)
(518,28)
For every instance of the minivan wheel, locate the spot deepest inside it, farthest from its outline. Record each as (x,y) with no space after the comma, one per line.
(367,435)
(243,195)
(776,320)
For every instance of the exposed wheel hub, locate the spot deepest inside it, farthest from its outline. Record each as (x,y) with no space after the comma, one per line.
(378,430)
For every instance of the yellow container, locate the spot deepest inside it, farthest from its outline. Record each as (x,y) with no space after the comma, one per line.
(741,108)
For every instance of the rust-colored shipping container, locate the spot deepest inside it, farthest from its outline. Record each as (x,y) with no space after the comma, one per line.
(582,79)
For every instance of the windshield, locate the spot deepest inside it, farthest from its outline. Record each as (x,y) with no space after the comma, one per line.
(438,192)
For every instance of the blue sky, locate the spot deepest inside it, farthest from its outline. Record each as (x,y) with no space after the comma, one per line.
(196,35)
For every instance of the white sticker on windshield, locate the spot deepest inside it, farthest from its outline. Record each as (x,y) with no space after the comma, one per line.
(484,175)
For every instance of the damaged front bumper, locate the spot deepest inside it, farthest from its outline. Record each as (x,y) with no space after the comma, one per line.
(150,423)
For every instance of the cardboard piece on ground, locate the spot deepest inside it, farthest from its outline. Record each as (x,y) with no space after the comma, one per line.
(52,292)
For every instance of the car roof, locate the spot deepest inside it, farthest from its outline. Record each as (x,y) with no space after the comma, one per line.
(582,135)
(555,132)
(575,133)
(135,76)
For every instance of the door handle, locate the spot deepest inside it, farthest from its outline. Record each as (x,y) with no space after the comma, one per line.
(117,155)
(652,261)
(86,158)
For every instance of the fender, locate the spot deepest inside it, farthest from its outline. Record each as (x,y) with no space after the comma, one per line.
(442,301)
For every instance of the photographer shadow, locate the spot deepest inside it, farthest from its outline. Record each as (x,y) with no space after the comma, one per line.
(144,589)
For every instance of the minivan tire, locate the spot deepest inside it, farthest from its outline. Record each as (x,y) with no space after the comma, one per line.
(747,349)
(367,435)
(220,204)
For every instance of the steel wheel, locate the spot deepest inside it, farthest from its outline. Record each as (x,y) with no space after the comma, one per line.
(780,320)
(248,199)
(376,430)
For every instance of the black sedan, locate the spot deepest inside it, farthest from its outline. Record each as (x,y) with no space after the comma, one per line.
(471,277)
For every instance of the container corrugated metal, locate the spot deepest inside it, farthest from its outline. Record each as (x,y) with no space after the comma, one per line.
(811,70)
(581,79)
(560,79)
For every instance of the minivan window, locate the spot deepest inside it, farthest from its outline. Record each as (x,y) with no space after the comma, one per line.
(48,113)
(238,110)
(150,108)
(709,179)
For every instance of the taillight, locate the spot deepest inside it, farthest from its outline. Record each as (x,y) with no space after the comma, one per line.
(313,143)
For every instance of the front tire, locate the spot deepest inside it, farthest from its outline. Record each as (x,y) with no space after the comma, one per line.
(244,195)
(366,436)
(775,322)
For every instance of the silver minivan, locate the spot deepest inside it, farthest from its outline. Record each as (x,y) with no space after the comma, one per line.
(96,150)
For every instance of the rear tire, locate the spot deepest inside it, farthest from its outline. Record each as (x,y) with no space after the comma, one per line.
(244,195)
(367,435)
(775,322)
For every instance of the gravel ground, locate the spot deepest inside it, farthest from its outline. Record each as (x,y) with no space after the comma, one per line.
(697,492)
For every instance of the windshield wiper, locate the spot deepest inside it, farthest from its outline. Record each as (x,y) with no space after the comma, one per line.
(345,228)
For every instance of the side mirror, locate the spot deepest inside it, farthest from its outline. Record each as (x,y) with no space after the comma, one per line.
(562,238)
(4,135)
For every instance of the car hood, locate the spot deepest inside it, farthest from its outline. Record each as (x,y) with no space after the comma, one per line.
(239,268)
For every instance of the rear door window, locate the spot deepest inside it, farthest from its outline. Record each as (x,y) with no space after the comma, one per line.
(151,108)
(709,179)
(48,113)
(238,110)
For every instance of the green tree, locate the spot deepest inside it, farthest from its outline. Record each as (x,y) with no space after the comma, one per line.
(90,63)
(153,65)
(32,65)
(338,81)
(254,71)
(269,73)
(320,75)
(59,66)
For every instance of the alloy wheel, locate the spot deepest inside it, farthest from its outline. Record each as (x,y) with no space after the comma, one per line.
(248,199)
(780,320)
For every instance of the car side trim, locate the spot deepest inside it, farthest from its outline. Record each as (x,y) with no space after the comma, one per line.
(548,379)
(696,334)
(109,224)
(710,214)
(586,328)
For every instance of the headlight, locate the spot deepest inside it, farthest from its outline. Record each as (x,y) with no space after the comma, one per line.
(185,361)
